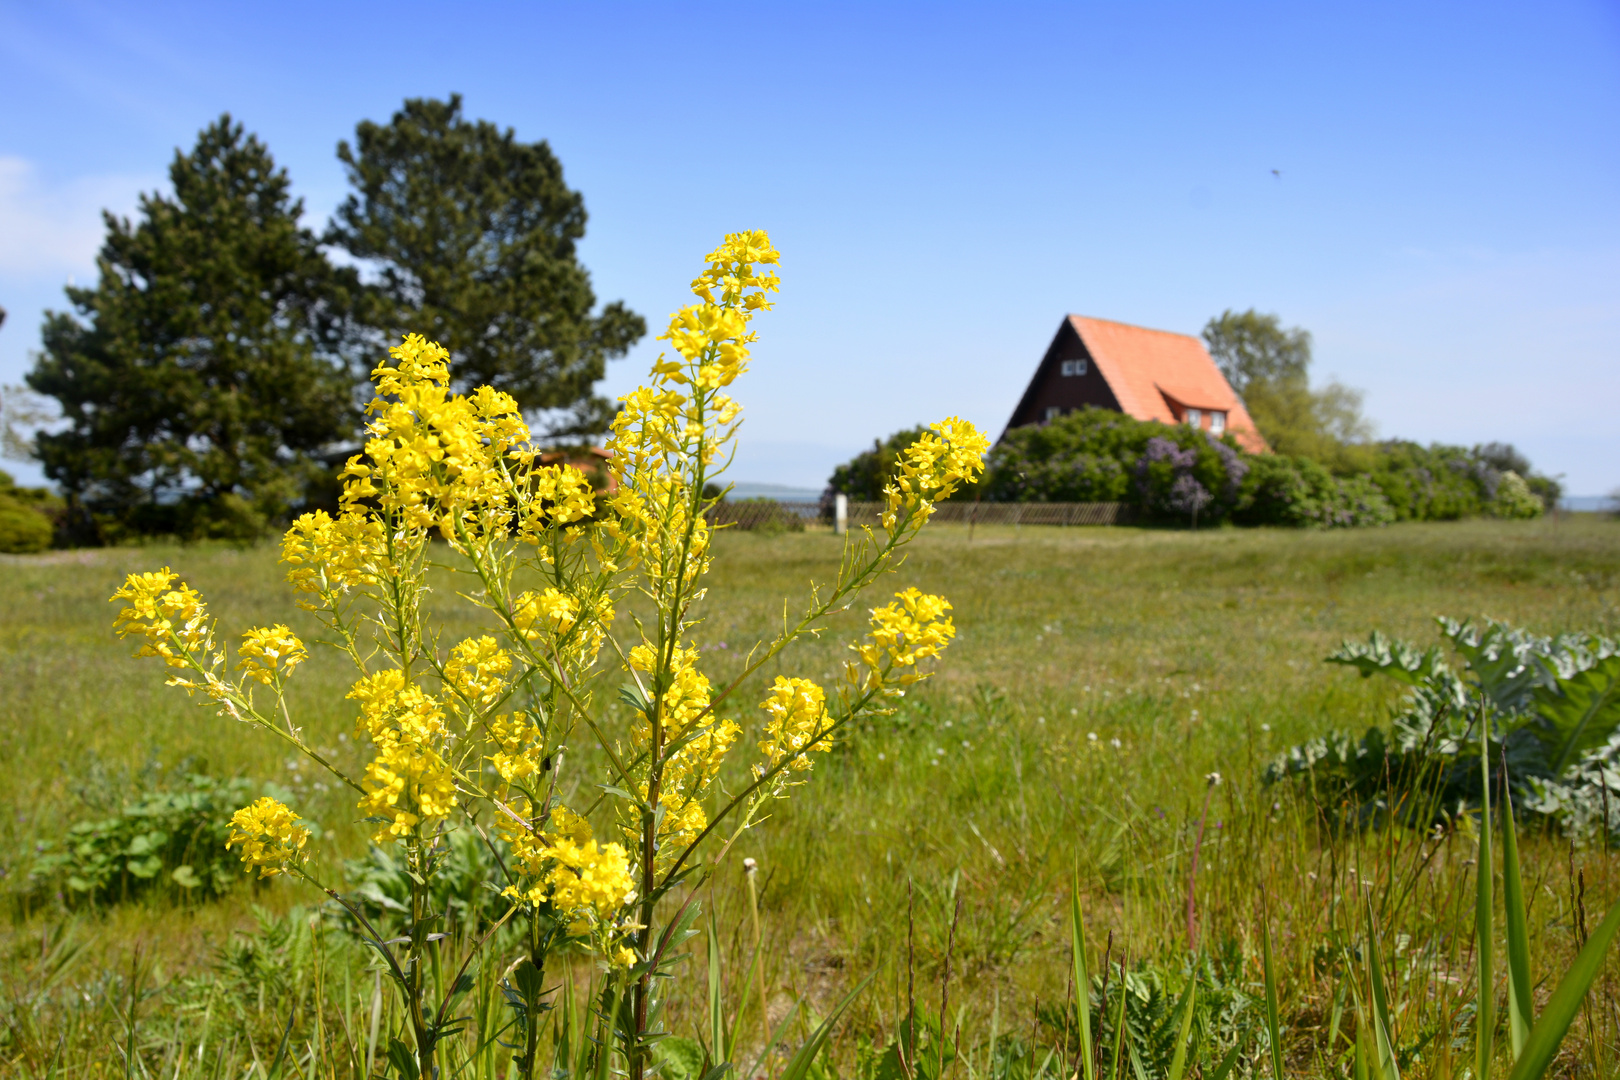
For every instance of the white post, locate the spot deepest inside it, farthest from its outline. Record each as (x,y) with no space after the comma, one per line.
(840,514)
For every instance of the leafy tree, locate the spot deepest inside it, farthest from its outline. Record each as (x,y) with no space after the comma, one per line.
(203,376)
(1269,367)
(1250,347)
(863,476)
(474,234)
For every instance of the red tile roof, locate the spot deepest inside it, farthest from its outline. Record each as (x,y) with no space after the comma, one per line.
(1155,374)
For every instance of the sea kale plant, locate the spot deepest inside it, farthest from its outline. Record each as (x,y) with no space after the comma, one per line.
(473,735)
(1551,706)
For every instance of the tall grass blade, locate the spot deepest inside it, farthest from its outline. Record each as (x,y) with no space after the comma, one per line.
(717,1018)
(1521,1009)
(1545,1037)
(1388,1066)
(1119,1024)
(1082,978)
(798,1067)
(1273,1025)
(1189,1000)
(1485,1013)
(1225,1067)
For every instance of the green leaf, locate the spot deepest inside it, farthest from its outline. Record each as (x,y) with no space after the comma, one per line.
(1273,1027)
(1542,1045)
(1388,656)
(798,1066)
(185,877)
(1082,979)
(1579,713)
(1485,1015)
(1189,1003)
(1521,1015)
(1383,1039)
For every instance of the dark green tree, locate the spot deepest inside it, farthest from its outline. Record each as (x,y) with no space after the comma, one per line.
(1250,347)
(474,234)
(204,375)
(863,476)
(1269,367)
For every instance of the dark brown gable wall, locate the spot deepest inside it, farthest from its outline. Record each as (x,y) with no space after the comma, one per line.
(1051,388)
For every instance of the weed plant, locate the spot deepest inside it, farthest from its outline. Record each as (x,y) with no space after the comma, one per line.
(1199,653)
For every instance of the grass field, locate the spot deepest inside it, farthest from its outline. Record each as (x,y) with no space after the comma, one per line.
(1098,676)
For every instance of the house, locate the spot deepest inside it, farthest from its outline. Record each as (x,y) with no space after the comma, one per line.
(1147,374)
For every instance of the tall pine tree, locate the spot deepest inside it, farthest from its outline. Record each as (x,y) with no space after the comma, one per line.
(204,375)
(474,234)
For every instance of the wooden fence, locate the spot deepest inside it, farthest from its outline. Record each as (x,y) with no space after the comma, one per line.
(795,514)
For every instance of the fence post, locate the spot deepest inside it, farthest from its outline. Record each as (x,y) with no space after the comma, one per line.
(840,514)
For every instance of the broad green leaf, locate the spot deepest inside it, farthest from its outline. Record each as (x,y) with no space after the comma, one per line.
(1388,656)
(1542,1045)
(1578,713)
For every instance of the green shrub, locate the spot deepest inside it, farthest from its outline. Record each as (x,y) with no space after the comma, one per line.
(1514,499)
(1282,490)
(162,839)
(26,524)
(1553,705)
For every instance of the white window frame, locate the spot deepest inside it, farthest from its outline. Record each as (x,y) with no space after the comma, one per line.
(1195,417)
(1073,367)
(1217,421)
(1053,412)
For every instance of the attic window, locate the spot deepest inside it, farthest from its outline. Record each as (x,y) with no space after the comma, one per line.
(1053,412)
(1217,422)
(1195,417)
(1074,367)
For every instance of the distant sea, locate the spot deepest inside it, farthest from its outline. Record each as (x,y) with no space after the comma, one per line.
(744,489)
(1589,502)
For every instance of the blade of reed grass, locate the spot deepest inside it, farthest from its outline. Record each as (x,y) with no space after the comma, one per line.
(1273,1026)
(1082,978)
(1189,999)
(1226,1064)
(798,1066)
(1542,1044)
(717,1020)
(1388,1066)
(1521,1009)
(771,1041)
(1485,1011)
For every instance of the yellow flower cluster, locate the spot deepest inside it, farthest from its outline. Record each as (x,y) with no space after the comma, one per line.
(269,653)
(164,618)
(476,670)
(328,553)
(549,610)
(437,459)
(560,495)
(407,782)
(520,742)
(932,468)
(797,711)
(269,836)
(680,419)
(586,882)
(701,741)
(910,628)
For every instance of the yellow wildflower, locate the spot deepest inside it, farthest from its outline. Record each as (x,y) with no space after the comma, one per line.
(406,785)
(932,468)
(476,670)
(164,617)
(271,652)
(910,628)
(392,710)
(798,712)
(269,836)
(327,553)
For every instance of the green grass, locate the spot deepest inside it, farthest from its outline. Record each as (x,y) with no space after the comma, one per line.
(1097,677)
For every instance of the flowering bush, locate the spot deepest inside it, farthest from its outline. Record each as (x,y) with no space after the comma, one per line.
(477,732)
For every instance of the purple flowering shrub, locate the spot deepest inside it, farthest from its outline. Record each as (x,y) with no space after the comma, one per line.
(1187,475)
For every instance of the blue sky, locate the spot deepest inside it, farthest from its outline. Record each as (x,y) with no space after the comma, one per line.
(945,182)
